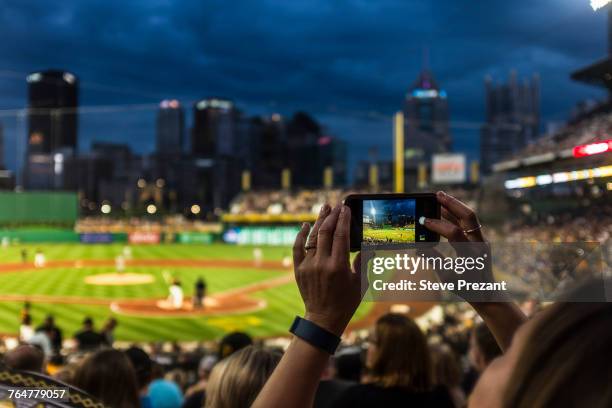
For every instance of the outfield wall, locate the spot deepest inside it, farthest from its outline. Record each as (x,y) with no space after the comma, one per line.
(38,208)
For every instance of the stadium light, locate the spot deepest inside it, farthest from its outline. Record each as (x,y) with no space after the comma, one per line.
(106,208)
(195,209)
(597,4)
(141,183)
(592,148)
(151,209)
(160,183)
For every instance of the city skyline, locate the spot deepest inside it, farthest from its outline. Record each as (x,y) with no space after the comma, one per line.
(351,75)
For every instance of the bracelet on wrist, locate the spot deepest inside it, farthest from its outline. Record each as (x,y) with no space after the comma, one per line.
(315,335)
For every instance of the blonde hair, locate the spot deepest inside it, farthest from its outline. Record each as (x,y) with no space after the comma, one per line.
(236,380)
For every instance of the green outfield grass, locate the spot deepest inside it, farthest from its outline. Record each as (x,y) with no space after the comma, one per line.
(283,302)
(392,234)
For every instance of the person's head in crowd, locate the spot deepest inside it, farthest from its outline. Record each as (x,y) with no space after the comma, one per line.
(88,323)
(236,381)
(483,347)
(109,376)
(446,367)
(447,372)
(348,366)
(561,357)
(206,366)
(233,342)
(66,373)
(142,366)
(25,358)
(110,324)
(398,354)
(163,392)
(49,321)
(26,320)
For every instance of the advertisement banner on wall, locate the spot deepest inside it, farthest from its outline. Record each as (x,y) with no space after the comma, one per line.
(261,235)
(96,238)
(140,237)
(194,238)
(448,168)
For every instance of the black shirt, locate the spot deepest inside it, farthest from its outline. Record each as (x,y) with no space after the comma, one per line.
(371,395)
(88,339)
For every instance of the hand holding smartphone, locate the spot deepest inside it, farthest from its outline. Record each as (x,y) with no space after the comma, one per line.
(391,220)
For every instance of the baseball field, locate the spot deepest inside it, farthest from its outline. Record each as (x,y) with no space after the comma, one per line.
(388,234)
(79,280)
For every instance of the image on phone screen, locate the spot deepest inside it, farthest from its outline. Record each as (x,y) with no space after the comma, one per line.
(389,221)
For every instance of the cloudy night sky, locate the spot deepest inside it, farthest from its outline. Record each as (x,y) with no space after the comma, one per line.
(347,62)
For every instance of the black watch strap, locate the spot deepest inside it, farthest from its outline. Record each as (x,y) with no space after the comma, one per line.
(315,335)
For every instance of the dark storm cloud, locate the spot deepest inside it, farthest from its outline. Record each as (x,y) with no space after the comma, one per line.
(343,60)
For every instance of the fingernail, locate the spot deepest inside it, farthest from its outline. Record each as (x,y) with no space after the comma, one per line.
(342,209)
(422,220)
(324,208)
(305,224)
(441,194)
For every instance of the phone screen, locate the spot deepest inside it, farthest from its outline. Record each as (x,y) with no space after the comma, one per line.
(391,220)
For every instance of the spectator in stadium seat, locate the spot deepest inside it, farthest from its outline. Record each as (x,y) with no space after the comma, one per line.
(87,338)
(196,394)
(236,381)
(25,358)
(108,332)
(26,331)
(162,392)
(233,342)
(330,386)
(142,366)
(109,375)
(483,350)
(55,333)
(400,369)
(447,373)
(348,365)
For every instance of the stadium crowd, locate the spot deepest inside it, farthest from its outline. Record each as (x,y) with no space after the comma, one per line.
(592,125)
(437,359)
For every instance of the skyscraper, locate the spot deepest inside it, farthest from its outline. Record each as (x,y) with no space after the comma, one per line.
(512,119)
(426,125)
(217,145)
(52,116)
(213,127)
(52,128)
(170,127)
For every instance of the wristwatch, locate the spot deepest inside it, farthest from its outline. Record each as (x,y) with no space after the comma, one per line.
(315,335)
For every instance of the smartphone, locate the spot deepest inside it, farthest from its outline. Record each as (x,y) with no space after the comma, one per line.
(391,220)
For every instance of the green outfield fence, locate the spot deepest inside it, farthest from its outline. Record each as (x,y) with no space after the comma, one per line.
(27,208)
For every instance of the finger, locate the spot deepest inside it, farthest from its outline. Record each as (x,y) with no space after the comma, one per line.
(298,246)
(465,215)
(341,243)
(312,238)
(326,233)
(450,217)
(360,274)
(445,228)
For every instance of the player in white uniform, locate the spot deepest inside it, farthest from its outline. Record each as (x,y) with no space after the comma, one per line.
(257,256)
(120,264)
(39,259)
(175,299)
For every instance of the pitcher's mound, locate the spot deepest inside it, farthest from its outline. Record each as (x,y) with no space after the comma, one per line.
(119,279)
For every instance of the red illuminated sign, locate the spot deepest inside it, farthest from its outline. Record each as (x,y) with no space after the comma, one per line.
(593,148)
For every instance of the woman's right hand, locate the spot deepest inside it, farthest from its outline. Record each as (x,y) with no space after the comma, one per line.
(459,222)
